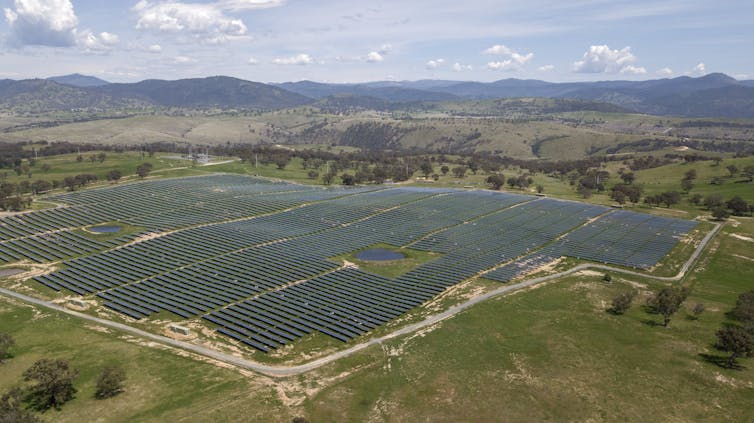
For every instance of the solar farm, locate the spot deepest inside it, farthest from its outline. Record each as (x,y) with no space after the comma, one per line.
(253,258)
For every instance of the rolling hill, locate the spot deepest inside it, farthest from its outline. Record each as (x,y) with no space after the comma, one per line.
(78,80)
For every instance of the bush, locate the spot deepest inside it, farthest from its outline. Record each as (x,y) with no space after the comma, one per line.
(622,302)
(110,382)
(6,343)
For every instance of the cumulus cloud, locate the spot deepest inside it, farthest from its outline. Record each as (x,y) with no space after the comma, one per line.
(699,69)
(205,22)
(546,68)
(104,41)
(299,59)
(457,67)
(374,57)
(514,61)
(155,48)
(665,72)
(434,64)
(42,23)
(52,23)
(498,50)
(602,59)
(252,61)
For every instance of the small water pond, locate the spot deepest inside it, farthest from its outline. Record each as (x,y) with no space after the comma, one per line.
(105,229)
(379,254)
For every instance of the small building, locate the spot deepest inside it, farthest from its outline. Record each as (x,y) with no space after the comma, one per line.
(180,330)
(78,302)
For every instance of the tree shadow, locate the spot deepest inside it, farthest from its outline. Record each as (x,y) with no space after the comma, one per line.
(649,309)
(651,322)
(720,361)
(691,317)
(613,311)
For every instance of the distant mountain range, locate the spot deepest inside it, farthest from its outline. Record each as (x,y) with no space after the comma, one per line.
(713,95)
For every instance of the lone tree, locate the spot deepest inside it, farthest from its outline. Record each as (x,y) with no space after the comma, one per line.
(698,310)
(622,302)
(143,170)
(495,181)
(114,175)
(744,309)
(736,340)
(52,383)
(6,343)
(11,410)
(668,301)
(444,169)
(110,382)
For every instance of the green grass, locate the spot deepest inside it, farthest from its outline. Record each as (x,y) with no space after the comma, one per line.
(161,385)
(392,268)
(555,354)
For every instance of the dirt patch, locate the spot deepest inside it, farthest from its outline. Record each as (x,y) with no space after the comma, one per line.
(742,237)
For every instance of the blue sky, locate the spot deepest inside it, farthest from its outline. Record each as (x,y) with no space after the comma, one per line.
(355,41)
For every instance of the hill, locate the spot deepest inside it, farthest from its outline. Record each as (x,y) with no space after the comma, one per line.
(78,80)
(216,91)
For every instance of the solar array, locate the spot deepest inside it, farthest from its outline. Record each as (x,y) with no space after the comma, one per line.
(253,257)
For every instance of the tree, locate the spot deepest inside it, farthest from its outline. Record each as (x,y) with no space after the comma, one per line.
(110,382)
(713,200)
(622,302)
(628,178)
(736,340)
(749,172)
(143,170)
(444,169)
(695,199)
(101,157)
(495,181)
(327,178)
(744,309)
(114,175)
(687,185)
(11,410)
(540,189)
(281,161)
(52,383)
(459,171)
(732,169)
(698,310)
(667,302)
(670,198)
(720,213)
(313,174)
(690,174)
(738,206)
(70,183)
(347,179)
(607,278)
(426,168)
(6,343)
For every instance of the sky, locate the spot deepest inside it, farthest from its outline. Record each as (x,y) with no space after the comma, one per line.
(359,41)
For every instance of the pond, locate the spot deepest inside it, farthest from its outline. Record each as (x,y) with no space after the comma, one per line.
(105,229)
(379,254)
(10,272)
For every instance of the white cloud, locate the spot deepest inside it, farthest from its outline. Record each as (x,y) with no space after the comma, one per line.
(634,70)
(374,57)
(699,69)
(385,49)
(42,22)
(664,72)
(299,59)
(546,68)
(252,61)
(155,48)
(205,22)
(93,43)
(434,64)
(602,59)
(457,67)
(516,62)
(498,50)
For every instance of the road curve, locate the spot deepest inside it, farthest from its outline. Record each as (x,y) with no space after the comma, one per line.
(283,371)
